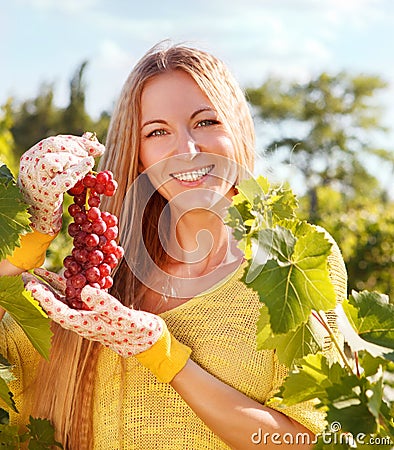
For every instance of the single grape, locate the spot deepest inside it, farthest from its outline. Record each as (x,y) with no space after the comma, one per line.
(111,233)
(93,274)
(105,269)
(74,267)
(78,188)
(78,281)
(80,218)
(119,252)
(111,260)
(99,227)
(80,199)
(99,188)
(74,209)
(102,178)
(96,257)
(108,282)
(109,247)
(92,240)
(73,229)
(94,214)
(94,201)
(89,180)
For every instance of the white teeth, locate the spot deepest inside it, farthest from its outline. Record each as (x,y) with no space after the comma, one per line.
(194,175)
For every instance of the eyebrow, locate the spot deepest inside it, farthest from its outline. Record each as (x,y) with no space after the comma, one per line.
(195,113)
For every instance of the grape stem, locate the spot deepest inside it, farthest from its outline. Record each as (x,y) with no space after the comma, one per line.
(87,207)
(327,327)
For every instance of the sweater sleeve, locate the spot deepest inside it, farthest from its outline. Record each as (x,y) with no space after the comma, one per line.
(305,412)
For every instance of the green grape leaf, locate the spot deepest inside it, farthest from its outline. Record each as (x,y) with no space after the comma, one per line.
(251,188)
(292,346)
(9,438)
(42,434)
(372,316)
(347,404)
(26,311)
(14,217)
(6,395)
(310,380)
(296,280)
(283,204)
(370,363)
(5,174)
(375,397)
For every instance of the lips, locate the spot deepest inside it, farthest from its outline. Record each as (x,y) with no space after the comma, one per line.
(193,175)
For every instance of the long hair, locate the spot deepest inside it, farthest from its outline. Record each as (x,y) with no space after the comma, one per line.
(66,397)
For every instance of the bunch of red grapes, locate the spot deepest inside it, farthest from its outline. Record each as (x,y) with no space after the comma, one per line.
(94,232)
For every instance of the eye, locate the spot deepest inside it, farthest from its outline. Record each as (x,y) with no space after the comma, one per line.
(159,132)
(207,123)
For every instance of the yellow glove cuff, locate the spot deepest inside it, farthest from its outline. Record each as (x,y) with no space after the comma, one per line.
(32,251)
(165,358)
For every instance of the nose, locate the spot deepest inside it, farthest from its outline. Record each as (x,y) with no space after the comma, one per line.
(187,145)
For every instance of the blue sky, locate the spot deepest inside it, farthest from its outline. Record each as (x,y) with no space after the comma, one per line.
(46,40)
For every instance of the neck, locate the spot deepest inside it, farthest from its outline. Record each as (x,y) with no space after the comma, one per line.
(200,241)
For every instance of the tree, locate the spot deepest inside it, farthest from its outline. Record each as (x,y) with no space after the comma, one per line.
(75,119)
(34,119)
(6,138)
(38,118)
(322,128)
(365,238)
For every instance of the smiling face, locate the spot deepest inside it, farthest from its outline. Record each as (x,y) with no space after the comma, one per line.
(184,146)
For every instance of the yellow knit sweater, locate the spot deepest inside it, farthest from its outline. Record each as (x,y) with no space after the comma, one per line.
(138,412)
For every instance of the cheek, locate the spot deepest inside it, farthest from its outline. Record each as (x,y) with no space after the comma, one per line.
(148,156)
(223,145)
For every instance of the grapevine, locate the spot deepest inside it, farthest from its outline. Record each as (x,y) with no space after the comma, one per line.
(95,251)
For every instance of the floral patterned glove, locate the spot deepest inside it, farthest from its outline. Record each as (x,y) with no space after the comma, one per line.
(126,331)
(48,170)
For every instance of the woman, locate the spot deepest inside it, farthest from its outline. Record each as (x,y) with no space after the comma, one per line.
(185,374)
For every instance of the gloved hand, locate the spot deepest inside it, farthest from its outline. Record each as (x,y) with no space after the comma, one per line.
(48,170)
(126,331)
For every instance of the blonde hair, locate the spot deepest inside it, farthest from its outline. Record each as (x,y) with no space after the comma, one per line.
(66,397)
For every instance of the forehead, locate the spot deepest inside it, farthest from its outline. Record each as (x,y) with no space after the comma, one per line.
(174,90)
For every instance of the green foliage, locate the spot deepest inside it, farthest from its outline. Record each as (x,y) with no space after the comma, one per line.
(25,310)
(39,436)
(21,306)
(295,278)
(364,226)
(329,116)
(288,268)
(372,317)
(6,137)
(37,118)
(289,347)
(287,258)
(14,218)
(326,128)
(6,377)
(355,402)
